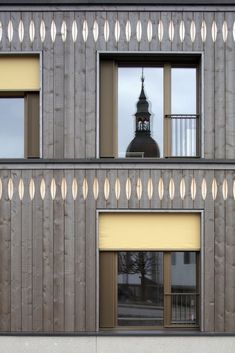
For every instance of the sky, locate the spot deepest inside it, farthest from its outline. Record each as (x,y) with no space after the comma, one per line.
(129,87)
(12,127)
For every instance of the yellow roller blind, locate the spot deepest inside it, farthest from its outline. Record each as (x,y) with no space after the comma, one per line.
(149,231)
(19,73)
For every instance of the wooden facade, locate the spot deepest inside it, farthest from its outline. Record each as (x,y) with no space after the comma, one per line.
(48,210)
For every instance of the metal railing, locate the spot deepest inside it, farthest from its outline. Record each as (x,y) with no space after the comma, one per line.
(182,135)
(184,308)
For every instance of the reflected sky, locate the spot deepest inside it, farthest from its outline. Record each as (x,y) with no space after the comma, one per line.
(12,127)
(129,87)
(183,100)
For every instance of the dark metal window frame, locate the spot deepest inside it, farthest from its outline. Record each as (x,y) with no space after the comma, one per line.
(107,135)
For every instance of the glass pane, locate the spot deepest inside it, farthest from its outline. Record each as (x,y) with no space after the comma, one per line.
(140,288)
(12,127)
(129,88)
(183,110)
(183,91)
(183,287)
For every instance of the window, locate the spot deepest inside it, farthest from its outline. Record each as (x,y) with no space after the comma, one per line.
(157,91)
(147,290)
(19,106)
(144,281)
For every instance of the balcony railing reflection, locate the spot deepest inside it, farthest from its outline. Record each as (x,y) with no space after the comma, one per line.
(184,309)
(182,135)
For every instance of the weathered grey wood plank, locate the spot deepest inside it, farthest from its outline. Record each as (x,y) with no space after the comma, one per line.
(48,246)
(187,43)
(5,44)
(58,278)
(69,254)
(123,17)
(112,44)
(198,18)
(177,202)
(209,96)
(166,44)
(133,176)
(58,89)
(48,90)
(80,249)
(199,203)
(27,260)
(229,324)
(122,176)
(16,257)
(37,254)
(155,201)
(100,18)
(230,88)
(208,252)
(177,43)
(166,201)
(90,253)
(133,44)
(27,45)
(112,201)
(144,177)
(80,89)
(69,84)
(144,43)
(188,202)
(5,255)
(155,18)
(219,225)
(90,79)
(37,43)
(15,18)
(220,130)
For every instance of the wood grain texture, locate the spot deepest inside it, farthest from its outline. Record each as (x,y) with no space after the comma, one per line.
(90,79)
(48,256)
(58,89)
(69,255)
(27,260)
(230,88)
(16,256)
(48,90)
(58,256)
(220,122)
(15,44)
(80,255)
(209,94)
(155,18)
(187,43)
(37,255)
(80,89)
(219,214)
(69,85)
(208,255)
(5,255)
(155,202)
(229,292)
(90,256)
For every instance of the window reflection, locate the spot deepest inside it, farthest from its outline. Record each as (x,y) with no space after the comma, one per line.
(140,288)
(12,127)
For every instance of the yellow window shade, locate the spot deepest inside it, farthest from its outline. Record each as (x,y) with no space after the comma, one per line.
(149,231)
(19,73)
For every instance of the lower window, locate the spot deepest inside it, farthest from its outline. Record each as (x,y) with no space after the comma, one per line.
(149,289)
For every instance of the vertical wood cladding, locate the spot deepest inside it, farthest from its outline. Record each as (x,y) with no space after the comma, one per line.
(48,259)
(48,242)
(69,68)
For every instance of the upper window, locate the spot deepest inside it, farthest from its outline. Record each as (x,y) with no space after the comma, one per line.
(19,106)
(149,107)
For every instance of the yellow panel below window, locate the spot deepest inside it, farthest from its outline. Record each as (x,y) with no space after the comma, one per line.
(149,231)
(19,73)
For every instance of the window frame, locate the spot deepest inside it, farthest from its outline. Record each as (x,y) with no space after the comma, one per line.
(32,102)
(108,317)
(150,59)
